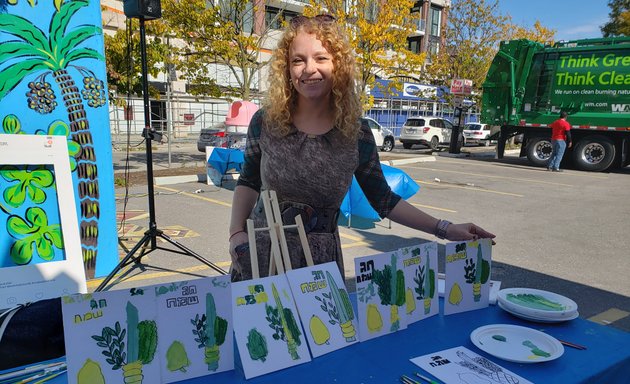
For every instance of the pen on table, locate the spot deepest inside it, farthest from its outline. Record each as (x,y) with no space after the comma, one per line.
(32,369)
(408,380)
(572,345)
(50,377)
(426,379)
(45,375)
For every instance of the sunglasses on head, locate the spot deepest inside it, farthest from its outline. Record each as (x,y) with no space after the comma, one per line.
(300,20)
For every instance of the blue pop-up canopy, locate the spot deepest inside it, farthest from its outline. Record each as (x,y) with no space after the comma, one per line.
(356,204)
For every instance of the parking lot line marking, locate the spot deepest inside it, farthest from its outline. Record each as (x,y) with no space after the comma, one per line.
(609,316)
(153,275)
(537,169)
(470,188)
(350,237)
(494,176)
(196,196)
(436,208)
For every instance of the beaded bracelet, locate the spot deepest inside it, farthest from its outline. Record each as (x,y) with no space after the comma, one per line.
(441,227)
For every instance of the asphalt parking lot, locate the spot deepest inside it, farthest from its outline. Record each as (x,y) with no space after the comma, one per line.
(563,232)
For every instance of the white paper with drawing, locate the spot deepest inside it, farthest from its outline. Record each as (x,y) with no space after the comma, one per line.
(325,308)
(421,290)
(111,337)
(467,275)
(460,365)
(195,327)
(266,326)
(380,294)
(40,247)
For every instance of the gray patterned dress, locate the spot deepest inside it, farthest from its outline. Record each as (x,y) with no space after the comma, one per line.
(307,169)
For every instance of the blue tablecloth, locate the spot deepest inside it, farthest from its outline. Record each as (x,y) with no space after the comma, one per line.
(223,159)
(385,359)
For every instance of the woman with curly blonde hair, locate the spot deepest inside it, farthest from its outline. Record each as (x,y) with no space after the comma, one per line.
(306,144)
(345,102)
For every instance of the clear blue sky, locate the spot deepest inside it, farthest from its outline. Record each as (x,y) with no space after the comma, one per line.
(572,19)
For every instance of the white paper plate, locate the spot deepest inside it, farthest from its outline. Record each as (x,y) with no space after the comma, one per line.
(537,303)
(516,343)
(539,319)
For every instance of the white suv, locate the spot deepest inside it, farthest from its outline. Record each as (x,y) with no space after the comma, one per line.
(383,137)
(426,130)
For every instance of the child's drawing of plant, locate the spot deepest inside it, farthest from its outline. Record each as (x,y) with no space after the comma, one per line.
(391,289)
(425,284)
(337,305)
(141,344)
(282,322)
(210,331)
(477,273)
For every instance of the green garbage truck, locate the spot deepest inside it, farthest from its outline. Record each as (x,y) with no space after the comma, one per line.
(529,83)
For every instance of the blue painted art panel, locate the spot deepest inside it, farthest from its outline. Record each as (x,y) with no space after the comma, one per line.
(53,82)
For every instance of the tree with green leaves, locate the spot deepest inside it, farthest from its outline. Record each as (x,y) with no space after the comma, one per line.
(226,35)
(619,23)
(473,33)
(537,33)
(378,31)
(124,59)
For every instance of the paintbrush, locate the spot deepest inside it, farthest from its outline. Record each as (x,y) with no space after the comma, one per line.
(572,345)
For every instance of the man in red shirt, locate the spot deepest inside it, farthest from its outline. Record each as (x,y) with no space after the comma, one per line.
(560,138)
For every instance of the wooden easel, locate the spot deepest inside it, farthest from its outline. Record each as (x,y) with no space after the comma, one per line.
(279,257)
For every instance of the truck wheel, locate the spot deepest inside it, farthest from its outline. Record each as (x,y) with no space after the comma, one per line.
(407,145)
(539,151)
(388,144)
(434,143)
(594,153)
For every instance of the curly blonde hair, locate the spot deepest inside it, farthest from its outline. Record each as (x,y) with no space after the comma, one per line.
(281,97)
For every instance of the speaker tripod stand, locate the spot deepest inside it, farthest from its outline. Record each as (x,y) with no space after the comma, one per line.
(148,243)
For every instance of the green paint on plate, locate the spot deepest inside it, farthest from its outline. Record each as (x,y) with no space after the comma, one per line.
(535,350)
(535,302)
(499,337)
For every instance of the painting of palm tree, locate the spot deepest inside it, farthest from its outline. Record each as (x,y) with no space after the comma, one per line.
(51,56)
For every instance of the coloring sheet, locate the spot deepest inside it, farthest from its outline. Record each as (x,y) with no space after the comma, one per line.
(325,308)
(40,248)
(420,265)
(111,337)
(195,327)
(267,326)
(380,294)
(467,271)
(460,365)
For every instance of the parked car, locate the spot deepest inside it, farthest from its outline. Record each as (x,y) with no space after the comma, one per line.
(214,136)
(477,133)
(431,131)
(384,137)
(220,136)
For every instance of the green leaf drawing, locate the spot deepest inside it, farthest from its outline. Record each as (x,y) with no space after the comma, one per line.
(31,182)
(33,233)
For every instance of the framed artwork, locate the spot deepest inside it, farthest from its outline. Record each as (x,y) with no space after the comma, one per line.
(40,255)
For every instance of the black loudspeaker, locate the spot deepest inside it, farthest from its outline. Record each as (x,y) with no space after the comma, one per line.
(143,9)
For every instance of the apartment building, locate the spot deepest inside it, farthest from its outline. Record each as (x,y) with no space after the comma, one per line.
(266,14)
